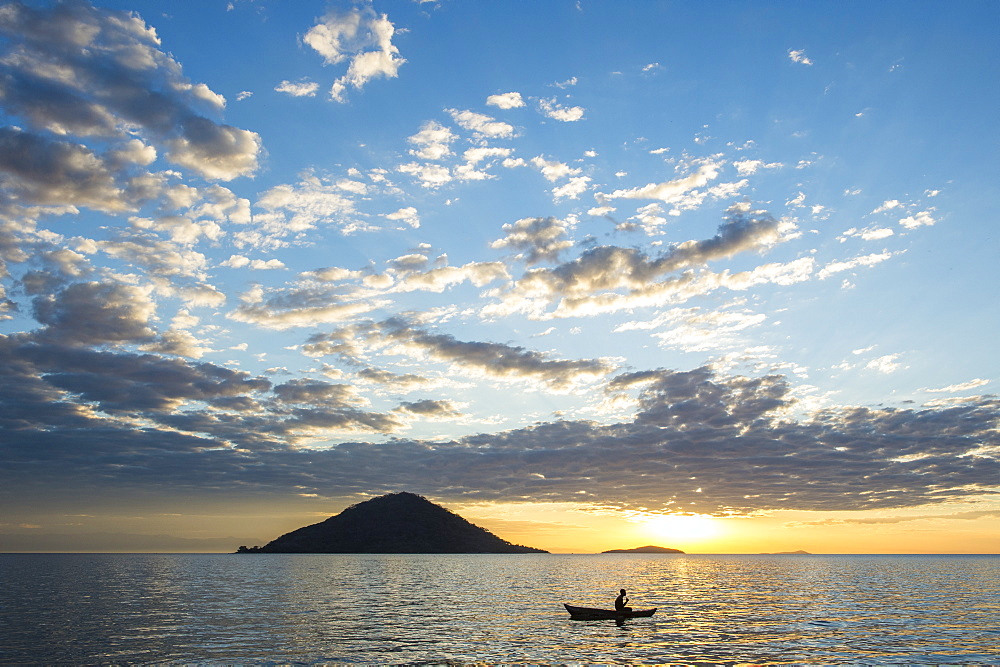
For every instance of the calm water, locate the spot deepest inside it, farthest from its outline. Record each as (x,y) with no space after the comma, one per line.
(434,609)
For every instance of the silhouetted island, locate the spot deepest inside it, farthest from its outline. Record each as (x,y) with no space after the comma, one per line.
(644,550)
(800,552)
(397,523)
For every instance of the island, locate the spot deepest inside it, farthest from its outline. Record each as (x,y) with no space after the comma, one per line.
(800,552)
(397,523)
(644,550)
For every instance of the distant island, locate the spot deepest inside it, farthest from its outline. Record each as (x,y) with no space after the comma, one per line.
(397,523)
(644,550)
(800,552)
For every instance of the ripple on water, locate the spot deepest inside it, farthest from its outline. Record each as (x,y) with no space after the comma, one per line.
(434,609)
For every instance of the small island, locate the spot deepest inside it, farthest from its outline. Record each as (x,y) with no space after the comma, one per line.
(800,552)
(397,523)
(644,550)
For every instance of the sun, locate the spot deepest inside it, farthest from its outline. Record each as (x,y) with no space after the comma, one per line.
(679,528)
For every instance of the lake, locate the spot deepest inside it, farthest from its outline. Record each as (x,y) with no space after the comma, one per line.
(213,608)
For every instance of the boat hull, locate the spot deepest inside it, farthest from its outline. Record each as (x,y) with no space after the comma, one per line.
(591,614)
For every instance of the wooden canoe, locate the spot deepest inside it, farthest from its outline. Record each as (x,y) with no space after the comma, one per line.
(591,614)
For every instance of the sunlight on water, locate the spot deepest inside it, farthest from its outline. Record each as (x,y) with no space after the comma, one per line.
(406,609)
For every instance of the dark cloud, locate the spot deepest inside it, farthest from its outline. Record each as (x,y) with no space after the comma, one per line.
(540,239)
(39,171)
(75,69)
(587,284)
(699,441)
(430,408)
(94,313)
(497,360)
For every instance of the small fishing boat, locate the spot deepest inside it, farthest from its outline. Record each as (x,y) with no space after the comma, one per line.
(591,614)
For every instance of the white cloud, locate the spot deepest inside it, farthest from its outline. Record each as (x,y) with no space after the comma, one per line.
(964,386)
(360,37)
(555,111)
(799,57)
(921,219)
(429,175)
(572,189)
(506,100)
(407,215)
(483,125)
(301,89)
(750,167)
(553,170)
(886,364)
(847,265)
(888,205)
(670,191)
(432,141)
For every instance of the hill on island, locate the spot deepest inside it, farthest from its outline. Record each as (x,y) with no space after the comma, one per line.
(644,550)
(397,523)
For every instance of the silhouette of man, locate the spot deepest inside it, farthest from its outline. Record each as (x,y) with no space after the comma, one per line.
(621,601)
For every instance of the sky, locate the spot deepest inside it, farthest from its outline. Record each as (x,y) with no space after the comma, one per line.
(593,274)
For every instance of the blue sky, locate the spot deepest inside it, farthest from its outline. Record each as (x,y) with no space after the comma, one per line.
(729,259)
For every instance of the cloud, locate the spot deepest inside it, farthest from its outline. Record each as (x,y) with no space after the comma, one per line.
(799,57)
(482,125)
(963,386)
(506,100)
(291,209)
(300,89)
(887,205)
(698,441)
(95,313)
(541,239)
(750,167)
(360,37)
(432,141)
(885,364)
(921,219)
(694,330)
(407,214)
(847,265)
(671,192)
(484,359)
(553,170)
(551,109)
(608,278)
(100,74)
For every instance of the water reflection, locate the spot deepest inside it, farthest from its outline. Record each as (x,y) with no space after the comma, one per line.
(351,609)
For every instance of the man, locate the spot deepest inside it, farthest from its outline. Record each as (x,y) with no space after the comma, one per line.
(621,601)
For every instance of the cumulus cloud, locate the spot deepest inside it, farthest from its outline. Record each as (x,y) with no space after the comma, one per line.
(540,239)
(361,38)
(407,214)
(506,100)
(432,141)
(608,278)
(921,219)
(482,125)
(552,109)
(290,209)
(100,74)
(95,313)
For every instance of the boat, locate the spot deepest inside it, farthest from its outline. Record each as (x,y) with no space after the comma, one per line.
(591,614)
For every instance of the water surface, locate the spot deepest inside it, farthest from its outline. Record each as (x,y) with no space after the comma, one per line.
(102,608)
